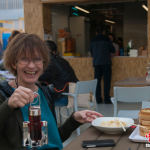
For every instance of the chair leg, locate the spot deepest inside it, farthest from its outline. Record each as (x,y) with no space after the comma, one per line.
(73,109)
(68,112)
(56,111)
(96,109)
(78,131)
(94,102)
(76,109)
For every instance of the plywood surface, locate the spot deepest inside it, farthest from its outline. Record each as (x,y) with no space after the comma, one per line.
(121,68)
(33,17)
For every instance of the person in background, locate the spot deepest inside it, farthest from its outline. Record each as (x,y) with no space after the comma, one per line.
(112,38)
(13,34)
(1,50)
(101,48)
(59,73)
(26,58)
(120,42)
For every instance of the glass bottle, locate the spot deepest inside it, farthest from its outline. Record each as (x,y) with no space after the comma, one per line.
(35,123)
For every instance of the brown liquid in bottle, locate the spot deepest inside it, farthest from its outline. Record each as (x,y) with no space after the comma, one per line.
(35,128)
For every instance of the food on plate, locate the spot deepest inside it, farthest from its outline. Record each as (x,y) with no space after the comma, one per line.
(112,123)
(145,110)
(144,120)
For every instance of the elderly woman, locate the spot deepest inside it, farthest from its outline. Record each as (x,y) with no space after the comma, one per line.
(26,57)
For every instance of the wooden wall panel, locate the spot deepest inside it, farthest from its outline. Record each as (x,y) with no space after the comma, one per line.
(33,17)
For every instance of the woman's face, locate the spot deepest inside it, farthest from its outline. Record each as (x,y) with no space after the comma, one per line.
(29,69)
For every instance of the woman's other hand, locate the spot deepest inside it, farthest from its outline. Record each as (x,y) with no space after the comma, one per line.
(22,96)
(86,116)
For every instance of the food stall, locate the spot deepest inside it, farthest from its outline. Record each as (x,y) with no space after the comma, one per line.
(5,33)
(40,18)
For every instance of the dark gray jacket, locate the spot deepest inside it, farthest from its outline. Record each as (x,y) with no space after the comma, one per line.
(101,48)
(59,73)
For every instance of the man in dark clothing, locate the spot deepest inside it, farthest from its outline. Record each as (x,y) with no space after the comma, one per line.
(59,73)
(101,48)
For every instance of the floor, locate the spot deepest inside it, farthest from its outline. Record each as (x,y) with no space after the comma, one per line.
(107,110)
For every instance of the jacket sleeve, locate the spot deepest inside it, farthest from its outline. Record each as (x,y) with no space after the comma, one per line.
(5,111)
(68,127)
(47,74)
(112,48)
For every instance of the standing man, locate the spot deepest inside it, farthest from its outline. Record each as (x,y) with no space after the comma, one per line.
(101,48)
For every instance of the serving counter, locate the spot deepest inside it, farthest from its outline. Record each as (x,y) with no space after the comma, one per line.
(122,67)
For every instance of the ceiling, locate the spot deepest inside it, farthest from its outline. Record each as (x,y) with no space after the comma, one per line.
(111,11)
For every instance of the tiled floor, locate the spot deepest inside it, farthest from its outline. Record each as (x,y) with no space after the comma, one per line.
(108,111)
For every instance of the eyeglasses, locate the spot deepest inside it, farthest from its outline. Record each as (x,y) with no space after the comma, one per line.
(25,61)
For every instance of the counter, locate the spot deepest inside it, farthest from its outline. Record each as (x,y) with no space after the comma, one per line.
(121,68)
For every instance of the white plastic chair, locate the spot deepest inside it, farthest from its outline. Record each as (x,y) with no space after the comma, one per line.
(58,112)
(129,95)
(145,104)
(82,88)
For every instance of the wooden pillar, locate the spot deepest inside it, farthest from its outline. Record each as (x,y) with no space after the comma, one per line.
(47,23)
(148,4)
(33,17)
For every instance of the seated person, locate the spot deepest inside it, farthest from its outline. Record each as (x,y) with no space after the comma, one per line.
(13,34)
(120,42)
(28,60)
(59,73)
(112,38)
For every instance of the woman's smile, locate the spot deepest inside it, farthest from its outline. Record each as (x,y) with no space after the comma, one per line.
(30,72)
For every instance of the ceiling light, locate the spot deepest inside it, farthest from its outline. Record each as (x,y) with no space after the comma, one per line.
(54,13)
(109,21)
(82,9)
(145,7)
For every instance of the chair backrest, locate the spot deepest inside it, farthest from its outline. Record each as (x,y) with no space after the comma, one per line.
(145,104)
(86,87)
(132,94)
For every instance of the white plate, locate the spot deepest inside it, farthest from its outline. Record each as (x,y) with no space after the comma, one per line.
(111,130)
(135,136)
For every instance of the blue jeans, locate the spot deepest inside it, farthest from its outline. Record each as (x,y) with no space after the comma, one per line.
(63,101)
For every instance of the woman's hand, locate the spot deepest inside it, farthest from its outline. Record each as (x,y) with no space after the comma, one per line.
(86,116)
(22,96)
